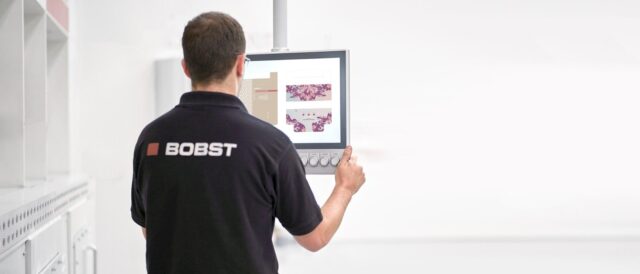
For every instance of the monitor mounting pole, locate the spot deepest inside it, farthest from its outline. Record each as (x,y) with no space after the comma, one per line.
(279,26)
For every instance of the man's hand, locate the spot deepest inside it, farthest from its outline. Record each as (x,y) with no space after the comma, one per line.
(349,175)
(349,179)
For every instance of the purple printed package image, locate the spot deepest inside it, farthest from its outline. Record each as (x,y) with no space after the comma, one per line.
(309,120)
(309,92)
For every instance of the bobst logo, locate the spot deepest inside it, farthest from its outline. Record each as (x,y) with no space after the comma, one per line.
(214,149)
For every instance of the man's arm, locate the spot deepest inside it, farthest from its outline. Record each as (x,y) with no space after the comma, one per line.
(137,206)
(349,179)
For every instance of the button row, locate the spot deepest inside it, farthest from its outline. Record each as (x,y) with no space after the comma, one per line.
(324,159)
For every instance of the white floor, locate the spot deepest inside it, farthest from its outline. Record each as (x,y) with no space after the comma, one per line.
(497,257)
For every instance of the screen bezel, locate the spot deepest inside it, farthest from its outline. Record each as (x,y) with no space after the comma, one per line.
(343,56)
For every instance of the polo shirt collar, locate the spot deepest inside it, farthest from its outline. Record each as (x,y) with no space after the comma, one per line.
(212,99)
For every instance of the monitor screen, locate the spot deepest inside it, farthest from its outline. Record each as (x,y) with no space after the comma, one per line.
(304,94)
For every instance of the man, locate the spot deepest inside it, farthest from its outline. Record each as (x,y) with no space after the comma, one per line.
(209,179)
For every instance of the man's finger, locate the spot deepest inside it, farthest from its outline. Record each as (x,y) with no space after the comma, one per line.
(346,155)
(354,159)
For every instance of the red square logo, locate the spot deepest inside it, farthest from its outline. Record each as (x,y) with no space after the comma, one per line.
(152,149)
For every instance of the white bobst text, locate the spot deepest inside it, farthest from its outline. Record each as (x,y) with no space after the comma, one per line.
(200,149)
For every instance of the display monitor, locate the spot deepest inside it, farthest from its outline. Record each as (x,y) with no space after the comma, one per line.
(305,95)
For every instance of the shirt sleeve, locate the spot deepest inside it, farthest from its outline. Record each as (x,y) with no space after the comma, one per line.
(296,207)
(137,205)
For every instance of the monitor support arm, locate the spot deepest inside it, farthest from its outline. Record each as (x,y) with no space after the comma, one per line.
(279,26)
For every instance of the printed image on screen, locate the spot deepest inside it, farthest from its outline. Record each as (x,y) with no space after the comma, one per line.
(301,97)
(313,92)
(308,120)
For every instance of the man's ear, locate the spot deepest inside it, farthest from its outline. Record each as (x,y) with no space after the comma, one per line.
(185,69)
(240,65)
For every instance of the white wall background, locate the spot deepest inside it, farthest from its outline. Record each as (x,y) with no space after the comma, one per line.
(472,118)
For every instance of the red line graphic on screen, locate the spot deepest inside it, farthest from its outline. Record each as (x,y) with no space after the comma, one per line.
(310,92)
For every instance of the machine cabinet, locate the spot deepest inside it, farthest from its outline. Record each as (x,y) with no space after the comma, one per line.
(14,260)
(46,229)
(47,250)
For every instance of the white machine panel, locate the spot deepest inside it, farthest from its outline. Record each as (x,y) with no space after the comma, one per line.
(80,241)
(47,249)
(81,247)
(171,83)
(14,260)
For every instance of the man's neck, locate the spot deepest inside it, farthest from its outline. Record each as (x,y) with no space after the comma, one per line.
(228,87)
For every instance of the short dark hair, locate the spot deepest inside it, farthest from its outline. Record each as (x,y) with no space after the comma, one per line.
(211,42)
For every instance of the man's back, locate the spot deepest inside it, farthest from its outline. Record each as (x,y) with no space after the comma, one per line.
(209,179)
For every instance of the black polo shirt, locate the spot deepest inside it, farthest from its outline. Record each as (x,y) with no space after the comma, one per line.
(209,179)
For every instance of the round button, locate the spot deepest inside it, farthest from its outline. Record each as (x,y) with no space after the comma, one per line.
(313,161)
(335,161)
(304,159)
(324,161)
